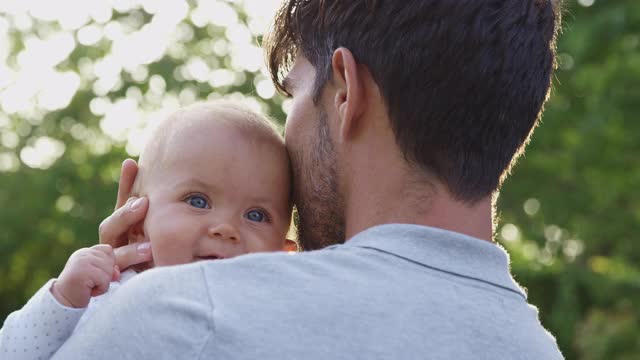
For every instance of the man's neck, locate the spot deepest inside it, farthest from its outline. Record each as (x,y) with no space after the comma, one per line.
(390,199)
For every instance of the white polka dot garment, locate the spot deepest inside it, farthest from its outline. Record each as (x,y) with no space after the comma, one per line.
(36,331)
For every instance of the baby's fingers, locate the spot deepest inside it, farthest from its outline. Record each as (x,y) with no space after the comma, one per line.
(116,273)
(103,250)
(103,257)
(101,280)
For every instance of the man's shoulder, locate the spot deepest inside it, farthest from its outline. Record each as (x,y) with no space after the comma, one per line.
(278,266)
(162,282)
(257,270)
(357,288)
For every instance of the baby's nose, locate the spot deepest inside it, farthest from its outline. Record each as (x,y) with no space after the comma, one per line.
(224,231)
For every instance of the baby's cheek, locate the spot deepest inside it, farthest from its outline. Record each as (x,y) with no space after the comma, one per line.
(168,245)
(273,241)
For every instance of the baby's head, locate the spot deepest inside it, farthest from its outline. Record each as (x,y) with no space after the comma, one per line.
(217,178)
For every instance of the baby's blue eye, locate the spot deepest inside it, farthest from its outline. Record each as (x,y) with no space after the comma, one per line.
(198,202)
(256,215)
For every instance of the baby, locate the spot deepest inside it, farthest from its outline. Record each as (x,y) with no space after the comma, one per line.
(217,179)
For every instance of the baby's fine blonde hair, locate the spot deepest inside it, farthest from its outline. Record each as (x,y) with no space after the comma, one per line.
(239,116)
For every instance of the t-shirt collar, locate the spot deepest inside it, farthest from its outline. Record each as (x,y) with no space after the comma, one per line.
(443,250)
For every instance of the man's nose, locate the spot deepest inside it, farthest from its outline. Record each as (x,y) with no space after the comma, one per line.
(224,231)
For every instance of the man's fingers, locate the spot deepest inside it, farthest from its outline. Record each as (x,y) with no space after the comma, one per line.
(128,174)
(113,230)
(133,254)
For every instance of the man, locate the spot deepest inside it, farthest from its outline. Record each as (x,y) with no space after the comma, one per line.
(406,117)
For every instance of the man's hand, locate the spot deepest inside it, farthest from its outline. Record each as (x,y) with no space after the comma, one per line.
(89,271)
(128,174)
(128,211)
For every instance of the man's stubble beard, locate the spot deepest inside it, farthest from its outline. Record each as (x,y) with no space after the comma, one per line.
(318,199)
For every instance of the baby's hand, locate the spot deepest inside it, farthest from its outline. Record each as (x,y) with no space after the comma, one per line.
(87,273)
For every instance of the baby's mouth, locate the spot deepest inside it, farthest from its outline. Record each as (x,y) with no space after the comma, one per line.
(211,257)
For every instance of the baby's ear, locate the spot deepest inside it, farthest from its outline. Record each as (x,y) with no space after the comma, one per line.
(290,245)
(136,233)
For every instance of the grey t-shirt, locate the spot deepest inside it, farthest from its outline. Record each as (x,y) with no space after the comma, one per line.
(391,292)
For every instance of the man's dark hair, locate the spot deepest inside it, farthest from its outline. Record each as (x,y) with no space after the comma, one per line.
(464,81)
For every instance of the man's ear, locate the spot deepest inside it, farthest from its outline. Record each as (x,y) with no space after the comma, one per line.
(136,233)
(349,100)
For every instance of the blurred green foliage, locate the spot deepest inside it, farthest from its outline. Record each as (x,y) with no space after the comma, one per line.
(569,214)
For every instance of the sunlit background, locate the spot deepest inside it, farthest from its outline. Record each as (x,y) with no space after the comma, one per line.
(81,81)
(50,51)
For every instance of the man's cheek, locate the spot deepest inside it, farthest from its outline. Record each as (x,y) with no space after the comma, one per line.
(290,123)
(297,120)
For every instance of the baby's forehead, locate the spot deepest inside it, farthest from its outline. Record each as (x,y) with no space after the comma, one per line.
(200,126)
(222,117)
